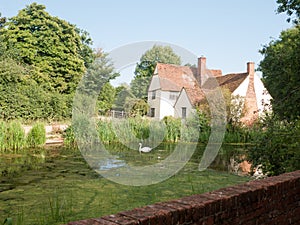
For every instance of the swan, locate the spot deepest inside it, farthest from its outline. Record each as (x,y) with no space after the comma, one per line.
(144,149)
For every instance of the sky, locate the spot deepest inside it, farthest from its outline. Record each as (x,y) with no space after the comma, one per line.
(229,33)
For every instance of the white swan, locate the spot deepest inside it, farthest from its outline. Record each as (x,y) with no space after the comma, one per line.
(144,149)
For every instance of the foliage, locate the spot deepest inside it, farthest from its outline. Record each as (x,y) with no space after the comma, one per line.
(280,68)
(50,44)
(277,146)
(173,126)
(136,107)
(145,69)
(2,21)
(291,7)
(106,98)
(234,106)
(122,93)
(37,135)
(42,59)
(15,136)
(95,85)
(22,97)
(3,142)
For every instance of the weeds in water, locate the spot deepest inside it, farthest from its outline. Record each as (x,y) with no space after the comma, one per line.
(2,136)
(37,135)
(15,136)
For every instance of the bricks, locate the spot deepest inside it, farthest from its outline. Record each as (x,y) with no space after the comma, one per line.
(274,200)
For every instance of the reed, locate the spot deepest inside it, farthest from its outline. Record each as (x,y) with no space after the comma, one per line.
(37,135)
(173,129)
(15,136)
(2,136)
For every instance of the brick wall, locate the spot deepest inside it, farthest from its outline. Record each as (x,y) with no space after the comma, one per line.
(275,200)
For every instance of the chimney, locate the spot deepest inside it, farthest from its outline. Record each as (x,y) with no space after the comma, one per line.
(201,69)
(250,68)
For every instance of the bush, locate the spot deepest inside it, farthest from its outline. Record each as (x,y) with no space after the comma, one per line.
(15,136)
(277,148)
(37,135)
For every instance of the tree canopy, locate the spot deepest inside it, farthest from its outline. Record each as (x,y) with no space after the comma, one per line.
(42,60)
(145,68)
(291,7)
(55,48)
(281,73)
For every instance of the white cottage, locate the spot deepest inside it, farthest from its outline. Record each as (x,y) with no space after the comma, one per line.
(176,90)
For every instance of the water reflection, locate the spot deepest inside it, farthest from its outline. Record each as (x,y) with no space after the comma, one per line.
(107,164)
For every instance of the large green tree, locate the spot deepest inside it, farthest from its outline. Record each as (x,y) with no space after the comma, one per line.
(291,7)
(145,68)
(55,48)
(281,73)
(2,21)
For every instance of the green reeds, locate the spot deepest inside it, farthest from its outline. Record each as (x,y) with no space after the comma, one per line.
(2,136)
(15,136)
(173,127)
(37,135)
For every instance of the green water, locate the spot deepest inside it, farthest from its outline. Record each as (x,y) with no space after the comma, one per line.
(55,185)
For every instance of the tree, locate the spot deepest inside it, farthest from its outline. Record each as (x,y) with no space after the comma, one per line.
(51,45)
(2,21)
(280,68)
(106,98)
(145,69)
(291,7)
(136,107)
(122,93)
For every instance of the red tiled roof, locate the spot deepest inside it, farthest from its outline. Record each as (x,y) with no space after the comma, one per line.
(174,78)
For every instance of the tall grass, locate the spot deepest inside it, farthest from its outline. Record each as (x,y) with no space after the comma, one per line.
(2,136)
(170,129)
(15,136)
(37,135)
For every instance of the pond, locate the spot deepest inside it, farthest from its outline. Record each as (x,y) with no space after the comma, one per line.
(55,185)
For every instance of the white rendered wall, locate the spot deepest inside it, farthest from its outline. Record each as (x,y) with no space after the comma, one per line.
(166,105)
(183,101)
(242,89)
(262,94)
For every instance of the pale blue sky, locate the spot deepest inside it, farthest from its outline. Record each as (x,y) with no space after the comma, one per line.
(228,32)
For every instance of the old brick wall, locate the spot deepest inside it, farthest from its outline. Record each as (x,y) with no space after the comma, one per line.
(275,200)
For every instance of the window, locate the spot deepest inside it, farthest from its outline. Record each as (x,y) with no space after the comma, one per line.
(173,95)
(153,94)
(183,112)
(152,112)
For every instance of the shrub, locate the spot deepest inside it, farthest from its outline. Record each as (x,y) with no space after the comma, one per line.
(37,135)
(15,136)
(277,148)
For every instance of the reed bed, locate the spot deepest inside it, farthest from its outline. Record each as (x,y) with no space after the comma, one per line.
(14,139)
(37,135)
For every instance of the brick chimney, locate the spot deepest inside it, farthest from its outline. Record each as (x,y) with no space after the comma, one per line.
(250,68)
(201,69)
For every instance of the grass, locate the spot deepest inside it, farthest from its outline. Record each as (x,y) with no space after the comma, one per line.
(14,140)
(66,189)
(37,135)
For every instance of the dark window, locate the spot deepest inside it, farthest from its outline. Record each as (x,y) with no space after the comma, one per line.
(152,112)
(153,94)
(183,112)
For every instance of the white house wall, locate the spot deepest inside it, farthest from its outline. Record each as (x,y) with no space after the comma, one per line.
(183,101)
(242,89)
(262,95)
(166,105)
